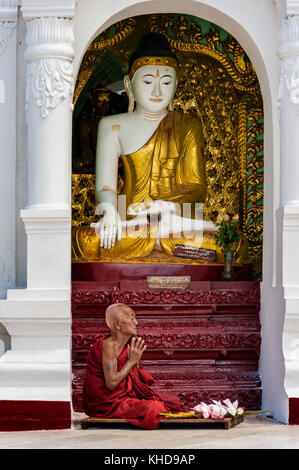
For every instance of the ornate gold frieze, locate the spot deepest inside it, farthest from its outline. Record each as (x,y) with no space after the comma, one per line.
(186,34)
(122,30)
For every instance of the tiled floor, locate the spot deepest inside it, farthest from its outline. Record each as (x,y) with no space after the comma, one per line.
(256,432)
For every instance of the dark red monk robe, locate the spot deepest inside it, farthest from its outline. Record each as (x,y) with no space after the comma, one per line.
(132,399)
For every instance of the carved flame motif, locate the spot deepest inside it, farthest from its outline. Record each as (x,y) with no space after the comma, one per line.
(50,80)
(6,30)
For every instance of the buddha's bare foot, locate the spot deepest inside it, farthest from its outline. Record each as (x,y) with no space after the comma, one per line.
(172,223)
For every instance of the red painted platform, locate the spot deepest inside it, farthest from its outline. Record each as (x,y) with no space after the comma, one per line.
(34,415)
(203,343)
(137,271)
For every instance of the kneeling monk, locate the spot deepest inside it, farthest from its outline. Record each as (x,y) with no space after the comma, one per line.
(116,385)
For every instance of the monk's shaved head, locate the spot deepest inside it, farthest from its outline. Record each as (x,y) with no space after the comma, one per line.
(113,311)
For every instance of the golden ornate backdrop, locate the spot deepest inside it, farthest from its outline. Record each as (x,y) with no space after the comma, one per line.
(218,83)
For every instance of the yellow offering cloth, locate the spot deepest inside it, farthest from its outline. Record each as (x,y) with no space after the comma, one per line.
(169,167)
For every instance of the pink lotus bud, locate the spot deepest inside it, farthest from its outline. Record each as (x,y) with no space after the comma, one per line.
(236,217)
(226,217)
(219,218)
(197,408)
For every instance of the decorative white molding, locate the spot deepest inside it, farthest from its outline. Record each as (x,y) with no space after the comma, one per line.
(289,37)
(53,37)
(49,54)
(34,8)
(50,81)
(289,77)
(46,221)
(292,7)
(8,10)
(288,51)
(9,3)
(6,31)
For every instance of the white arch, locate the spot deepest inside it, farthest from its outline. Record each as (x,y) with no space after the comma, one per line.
(246,22)
(236,19)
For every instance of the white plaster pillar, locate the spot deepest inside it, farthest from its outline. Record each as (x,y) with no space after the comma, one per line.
(49,56)
(288,52)
(38,318)
(8,24)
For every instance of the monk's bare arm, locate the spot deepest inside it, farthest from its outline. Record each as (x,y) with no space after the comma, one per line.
(113,377)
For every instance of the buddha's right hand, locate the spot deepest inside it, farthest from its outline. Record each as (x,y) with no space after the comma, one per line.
(151,207)
(108,228)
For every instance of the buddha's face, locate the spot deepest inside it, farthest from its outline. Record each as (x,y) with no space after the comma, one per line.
(153,87)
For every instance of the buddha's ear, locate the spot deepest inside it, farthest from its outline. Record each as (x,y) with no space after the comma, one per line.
(170,106)
(127,84)
(128,88)
(176,82)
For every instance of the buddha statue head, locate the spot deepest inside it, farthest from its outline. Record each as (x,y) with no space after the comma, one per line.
(152,78)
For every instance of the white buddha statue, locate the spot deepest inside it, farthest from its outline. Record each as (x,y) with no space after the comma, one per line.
(162,155)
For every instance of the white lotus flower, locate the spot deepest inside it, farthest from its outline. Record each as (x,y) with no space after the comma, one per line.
(232,408)
(219,409)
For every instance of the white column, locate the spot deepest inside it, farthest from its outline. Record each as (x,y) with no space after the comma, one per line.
(288,52)
(38,319)
(8,23)
(49,56)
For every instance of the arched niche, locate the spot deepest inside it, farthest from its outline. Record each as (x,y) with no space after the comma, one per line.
(259,38)
(217,82)
(246,25)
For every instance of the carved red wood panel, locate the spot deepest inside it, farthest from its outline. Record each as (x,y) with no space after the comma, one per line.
(202,343)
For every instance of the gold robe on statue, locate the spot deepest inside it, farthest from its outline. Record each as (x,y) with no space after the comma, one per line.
(169,167)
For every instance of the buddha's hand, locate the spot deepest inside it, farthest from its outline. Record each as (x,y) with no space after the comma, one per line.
(108,228)
(135,350)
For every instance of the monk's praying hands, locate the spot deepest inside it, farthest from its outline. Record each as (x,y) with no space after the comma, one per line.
(135,350)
